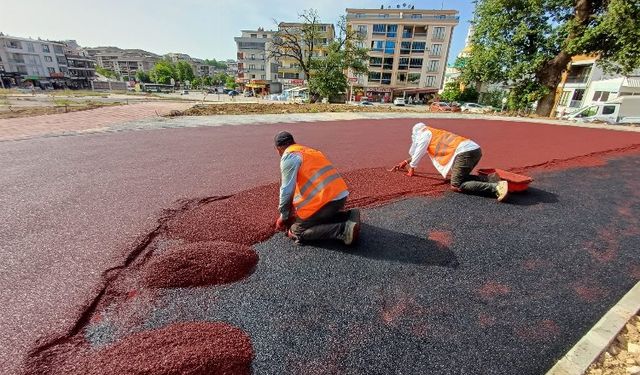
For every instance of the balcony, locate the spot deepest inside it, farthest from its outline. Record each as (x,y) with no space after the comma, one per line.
(577,79)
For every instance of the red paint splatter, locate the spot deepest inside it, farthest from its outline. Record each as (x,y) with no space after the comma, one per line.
(198,264)
(442,238)
(390,314)
(541,330)
(493,289)
(533,264)
(132,294)
(486,320)
(605,247)
(588,291)
(634,271)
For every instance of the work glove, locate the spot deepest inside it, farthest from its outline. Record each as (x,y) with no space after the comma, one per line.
(410,173)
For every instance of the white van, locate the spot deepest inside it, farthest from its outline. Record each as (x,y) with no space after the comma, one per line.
(622,110)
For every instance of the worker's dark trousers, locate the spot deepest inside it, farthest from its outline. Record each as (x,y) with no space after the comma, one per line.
(327,223)
(462,178)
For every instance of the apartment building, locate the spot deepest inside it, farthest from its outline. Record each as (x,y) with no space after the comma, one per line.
(408,49)
(585,83)
(255,68)
(290,73)
(125,62)
(39,61)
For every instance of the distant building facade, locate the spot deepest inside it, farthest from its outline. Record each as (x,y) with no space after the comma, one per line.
(408,49)
(254,67)
(124,62)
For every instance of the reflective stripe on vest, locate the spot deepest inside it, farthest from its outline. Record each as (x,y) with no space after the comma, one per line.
(317,182)
(443,145)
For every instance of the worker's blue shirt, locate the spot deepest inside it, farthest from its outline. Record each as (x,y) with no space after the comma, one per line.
(289,165)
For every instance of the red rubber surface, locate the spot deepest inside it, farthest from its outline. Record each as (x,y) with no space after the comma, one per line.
(77,205)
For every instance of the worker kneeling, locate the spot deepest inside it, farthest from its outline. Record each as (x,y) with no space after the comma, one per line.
(314,189)
(451,152)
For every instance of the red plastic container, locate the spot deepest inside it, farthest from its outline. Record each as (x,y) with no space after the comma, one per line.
(517,182)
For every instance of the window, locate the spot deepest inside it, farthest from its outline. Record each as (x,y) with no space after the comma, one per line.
(48,59)
(608,109)
(415,63)
(433,66)
(407,32)
(392,31)
(438,33)
(564,99)
(418,47)
(403,63)
(591,111)
(377,45)
(253,76)
(436,49)
(265,36)
(379,29)
(402,77)
(383,15)
(431,81)
(386,79)
(51,70)
(252,67)
(413,78)
(362,30)
(375,62)
(405,48)
(601,96)
(388,63)
(263,76)
(58,50)
(14,44)
(45,48)
(253,56)
(375,76)
(389,47)
(254,35)
(61,60)
(30,47)
(416,16)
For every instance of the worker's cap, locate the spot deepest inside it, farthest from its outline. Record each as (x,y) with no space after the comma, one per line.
(283,139)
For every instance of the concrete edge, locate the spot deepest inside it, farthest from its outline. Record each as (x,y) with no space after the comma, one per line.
(597,340)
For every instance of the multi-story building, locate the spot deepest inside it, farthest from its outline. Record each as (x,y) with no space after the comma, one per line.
(408,49)
(289,71)
(585,82)
(124,62)
(232,67)
(42,62)
(82,68)
(254,65)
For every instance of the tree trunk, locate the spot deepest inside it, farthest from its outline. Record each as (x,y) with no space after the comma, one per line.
(551,73)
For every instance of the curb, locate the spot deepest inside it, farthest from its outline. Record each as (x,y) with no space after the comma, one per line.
(597,340)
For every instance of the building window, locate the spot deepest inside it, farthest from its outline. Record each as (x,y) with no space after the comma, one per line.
(379,29)
(416,16)
(253,76)
(61,60)
(436,49)
(402,77)
(438,33)
(415,63)
(405,48)
(14,44)
(254,35)
(601,96)
(252,67)
(45,48)
(433,65)
(418,47)
(386,79)
(48,59)
(362,30)
(30,47)
(431,81)
(407,32)
(253,56)
(374,76)
(403,63)
(263,77)
(375,62)
(413,78)
(389,47)
(377,45)
(58,50)
(388,63)
(392,31)
(51,70)
(359,15)
(264,36)
(382,15)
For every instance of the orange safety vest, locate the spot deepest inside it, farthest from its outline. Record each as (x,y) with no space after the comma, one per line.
(443,145)
(318,182)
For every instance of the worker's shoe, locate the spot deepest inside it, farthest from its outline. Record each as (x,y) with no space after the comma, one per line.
(502,190)
(293,237)
(354,215)
(351,232)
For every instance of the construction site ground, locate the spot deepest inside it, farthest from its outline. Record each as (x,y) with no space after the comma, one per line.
(441,282)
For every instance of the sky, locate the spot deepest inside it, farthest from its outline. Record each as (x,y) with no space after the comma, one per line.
(200,28)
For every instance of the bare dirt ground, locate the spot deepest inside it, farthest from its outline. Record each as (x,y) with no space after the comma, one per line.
(278,108)
(623,355)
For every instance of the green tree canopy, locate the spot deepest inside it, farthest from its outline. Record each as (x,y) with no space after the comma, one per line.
(107,73)
(527,44)
(163,71)
(184,71)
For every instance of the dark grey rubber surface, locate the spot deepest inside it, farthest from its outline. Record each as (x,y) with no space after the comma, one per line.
(507,290)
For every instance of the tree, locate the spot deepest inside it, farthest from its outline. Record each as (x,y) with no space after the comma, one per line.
(141,76)
(207,81)
(220,78)
(230,83)
(196,82)
(216,64)
(305,43)
(529,43)
(163,71)
(184,71)
(107,73)
(453,93)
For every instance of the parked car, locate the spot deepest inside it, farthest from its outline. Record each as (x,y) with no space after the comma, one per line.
(455,107)
(399,101)
(474,108)
(248,94)
(233,93)
(365,102)
(184,92)
(622,110)
(440,107)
